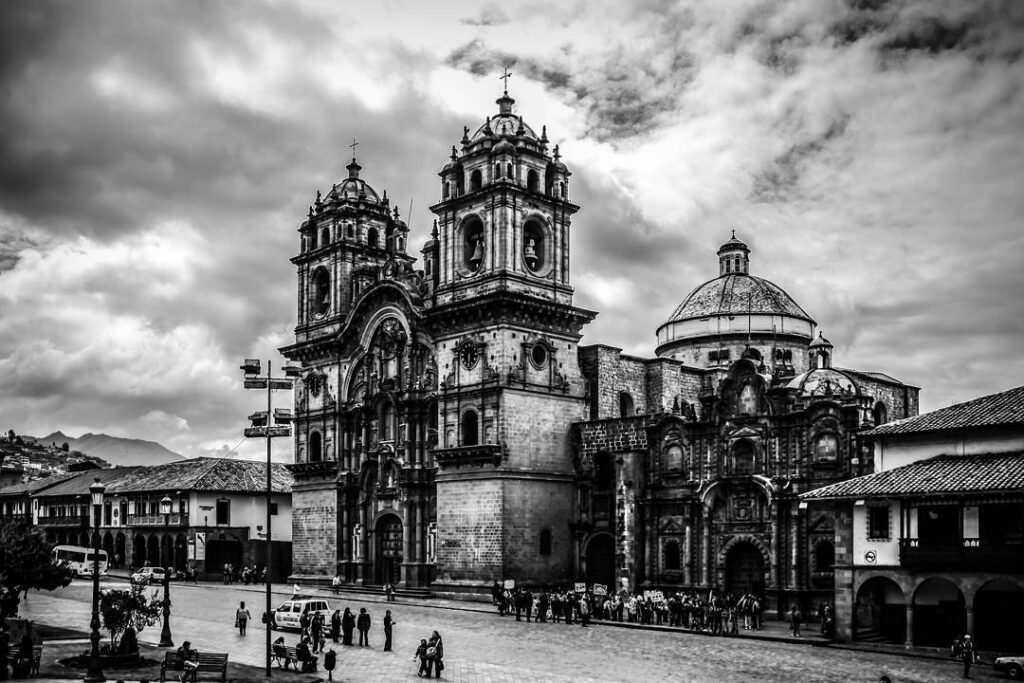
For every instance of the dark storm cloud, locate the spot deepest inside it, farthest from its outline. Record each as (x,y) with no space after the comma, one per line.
(780,180)
(625,92)
(490,15)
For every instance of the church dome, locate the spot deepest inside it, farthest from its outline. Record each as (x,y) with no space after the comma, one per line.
(823,382)
(504,124)
(737,294)
(354,188)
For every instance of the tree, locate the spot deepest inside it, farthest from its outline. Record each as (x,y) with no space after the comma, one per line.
(65,447)
(25,563)
(127,611)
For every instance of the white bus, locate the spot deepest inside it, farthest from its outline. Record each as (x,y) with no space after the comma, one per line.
(79,559)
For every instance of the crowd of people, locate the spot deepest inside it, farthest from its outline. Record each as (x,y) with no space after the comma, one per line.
(713,612)
(340,627)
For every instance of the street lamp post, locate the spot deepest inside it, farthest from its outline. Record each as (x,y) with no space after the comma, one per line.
(165,633)
(94,674)
(269,424)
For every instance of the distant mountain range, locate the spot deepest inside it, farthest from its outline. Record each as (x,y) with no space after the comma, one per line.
(115,450)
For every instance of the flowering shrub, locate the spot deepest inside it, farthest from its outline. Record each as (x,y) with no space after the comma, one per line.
(121,610)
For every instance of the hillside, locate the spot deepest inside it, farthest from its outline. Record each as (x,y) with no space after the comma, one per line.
(115,450)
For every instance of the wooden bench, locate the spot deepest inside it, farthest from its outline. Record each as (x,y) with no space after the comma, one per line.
(208,661)
(37,655)
(285,655)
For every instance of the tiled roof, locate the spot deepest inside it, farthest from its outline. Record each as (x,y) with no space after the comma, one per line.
(222,475)
(35,485)
(941,475)
(209,474)
(1006,408)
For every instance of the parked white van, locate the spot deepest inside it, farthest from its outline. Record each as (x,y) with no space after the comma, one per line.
(287,615)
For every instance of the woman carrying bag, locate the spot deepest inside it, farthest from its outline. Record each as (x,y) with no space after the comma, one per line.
(242,617)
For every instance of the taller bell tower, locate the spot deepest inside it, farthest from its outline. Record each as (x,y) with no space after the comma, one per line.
(506,334)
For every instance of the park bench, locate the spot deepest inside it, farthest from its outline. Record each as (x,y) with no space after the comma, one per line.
(285,655)
(208,661)
(37,655)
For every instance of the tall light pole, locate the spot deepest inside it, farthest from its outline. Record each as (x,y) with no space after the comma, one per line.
(165,633)
(269,424)
(94,674)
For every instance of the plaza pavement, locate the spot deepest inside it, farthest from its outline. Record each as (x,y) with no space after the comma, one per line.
(484,648)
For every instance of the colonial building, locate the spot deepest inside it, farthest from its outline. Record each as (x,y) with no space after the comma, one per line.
(217,517)
(450,431)
(931,545)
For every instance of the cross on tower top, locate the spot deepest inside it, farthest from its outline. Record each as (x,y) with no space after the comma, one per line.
(353,146)
(504,77)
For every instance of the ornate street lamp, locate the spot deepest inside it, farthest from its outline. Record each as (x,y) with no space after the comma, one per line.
(165,633)
(94,674)
(271,424)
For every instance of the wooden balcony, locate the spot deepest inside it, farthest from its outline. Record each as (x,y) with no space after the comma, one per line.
(968,554)
(65,520)
(157,520)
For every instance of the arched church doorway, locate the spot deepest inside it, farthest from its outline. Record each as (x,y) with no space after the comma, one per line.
(744,569)
(601,561)
(388,565)
(880,615)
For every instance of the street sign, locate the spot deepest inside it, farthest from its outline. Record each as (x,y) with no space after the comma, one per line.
(510,584)
(255,383)
(654,596)
(280,384)
(600,589)
(580,587)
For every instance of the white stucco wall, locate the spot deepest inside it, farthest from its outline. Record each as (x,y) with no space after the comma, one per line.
(898,450)
(246,511)
(885,552)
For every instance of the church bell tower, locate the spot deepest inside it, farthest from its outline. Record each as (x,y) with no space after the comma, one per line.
(506,335)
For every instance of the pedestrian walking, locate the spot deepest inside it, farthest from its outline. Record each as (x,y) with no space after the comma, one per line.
(795,617)
(967,654)
(335,625)
(421,654)
(437,657)
(242,618)
(363,624)
(388,624)
(316,632)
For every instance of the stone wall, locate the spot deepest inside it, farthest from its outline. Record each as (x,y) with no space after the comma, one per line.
(531,506)
(613,436)
(315,529)
(470,518)
(535,430)
(844,597)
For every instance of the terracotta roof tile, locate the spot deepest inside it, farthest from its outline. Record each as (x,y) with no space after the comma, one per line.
(1005,408)
(941,475)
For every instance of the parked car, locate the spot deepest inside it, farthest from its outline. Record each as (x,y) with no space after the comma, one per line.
(150,575)
(287,615)
(1011,666)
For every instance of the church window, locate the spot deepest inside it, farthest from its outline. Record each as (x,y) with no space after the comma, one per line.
(387,421)
(399,244)
(539,355)
(826,448)
(674,458)
(470,428)
(325,236)
(320,296)
(881,414)
(534,245)
(508,171)
(312,239)
(350,230)
(671,555)
(728,266)
(532,181)
(748,400)
(545,541)
(460,182)
(372,238)
(743,457)
(561,190)
(824,557)
(444,190)
(604,472)
(475,180)
(315,447)
(626,405)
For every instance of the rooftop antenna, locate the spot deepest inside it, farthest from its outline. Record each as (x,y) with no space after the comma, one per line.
(408,216)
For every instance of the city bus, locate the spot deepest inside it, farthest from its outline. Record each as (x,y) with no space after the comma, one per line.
(79,559)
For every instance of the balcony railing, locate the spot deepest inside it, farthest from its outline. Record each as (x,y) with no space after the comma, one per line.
(484,454)
(64,520)
(969,553)
(157,520)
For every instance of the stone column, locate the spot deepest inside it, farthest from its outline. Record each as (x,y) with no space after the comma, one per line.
(687,555)
(794,542)
(909,642)
(421,531)
(970,619)
(776,559)
(705,551)
(409,542)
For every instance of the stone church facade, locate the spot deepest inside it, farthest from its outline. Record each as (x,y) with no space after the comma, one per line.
(449,430)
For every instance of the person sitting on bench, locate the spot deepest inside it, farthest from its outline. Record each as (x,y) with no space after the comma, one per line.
(305,655)
(279,650)
(188,661)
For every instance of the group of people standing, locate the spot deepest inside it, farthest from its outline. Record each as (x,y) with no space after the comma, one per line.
(245,574)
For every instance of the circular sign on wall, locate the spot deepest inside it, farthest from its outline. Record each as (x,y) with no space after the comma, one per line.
(870,556)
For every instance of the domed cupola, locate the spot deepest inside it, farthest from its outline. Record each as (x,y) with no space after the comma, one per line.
(821,352)
(721,318)
(354,188)
(733,257)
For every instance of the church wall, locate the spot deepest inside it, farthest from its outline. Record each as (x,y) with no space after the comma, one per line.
(535,430)
(669,384)
(469,530)
(697,352)
(314,529)
(610,373)
(613,436)
(532,506)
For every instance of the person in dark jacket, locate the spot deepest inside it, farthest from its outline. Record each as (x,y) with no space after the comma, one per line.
(438,658)
(363,624)
(421,654)
(348,624)
(316,632)
(335,625)
(388,623)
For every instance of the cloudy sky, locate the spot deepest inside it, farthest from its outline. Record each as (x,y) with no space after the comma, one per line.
(156,159)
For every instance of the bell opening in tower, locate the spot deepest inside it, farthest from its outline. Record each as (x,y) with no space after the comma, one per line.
(321,292)
(533,245)
(473,244)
